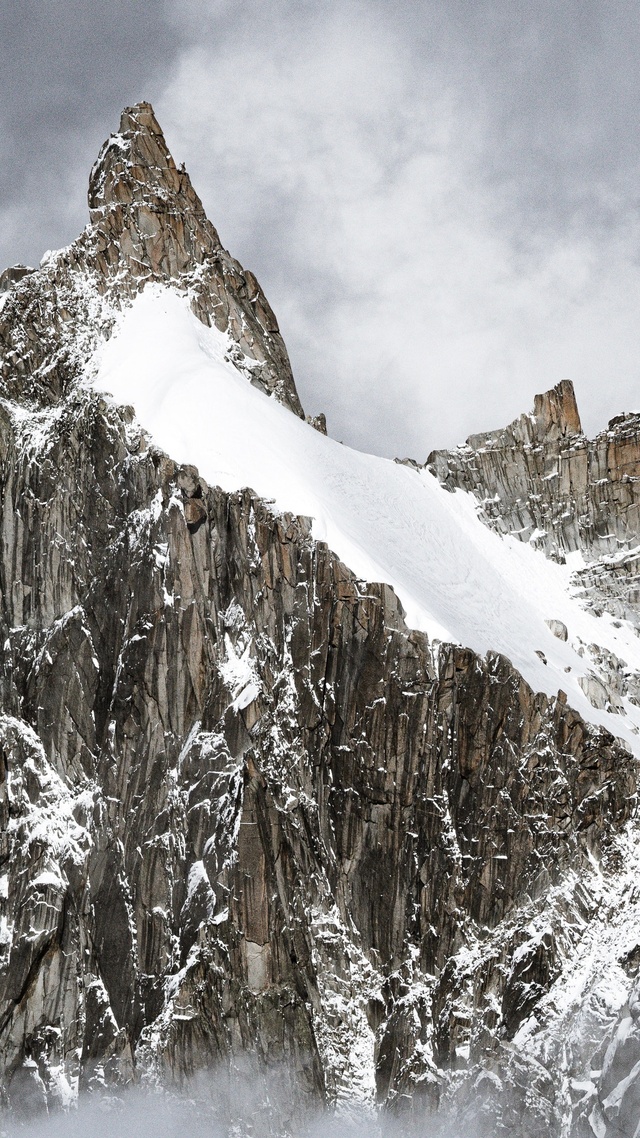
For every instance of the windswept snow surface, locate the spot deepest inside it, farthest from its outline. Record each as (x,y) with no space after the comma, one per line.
(457,580)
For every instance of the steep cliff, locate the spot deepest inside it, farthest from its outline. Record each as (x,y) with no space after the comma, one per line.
(245,808)
(542,480)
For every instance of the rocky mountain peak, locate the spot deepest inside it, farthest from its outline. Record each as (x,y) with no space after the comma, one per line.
(554,418)
(249,813)
(542,480)
(556,413)
(144,204)
(134,163)
(147,226)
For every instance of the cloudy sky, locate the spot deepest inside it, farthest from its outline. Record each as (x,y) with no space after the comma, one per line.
(439,197)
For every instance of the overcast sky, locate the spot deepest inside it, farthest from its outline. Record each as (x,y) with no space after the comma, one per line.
(439,197)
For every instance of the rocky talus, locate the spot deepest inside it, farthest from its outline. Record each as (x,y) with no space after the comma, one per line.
(245,811)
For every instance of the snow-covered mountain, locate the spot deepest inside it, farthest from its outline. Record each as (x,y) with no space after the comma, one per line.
(305,755)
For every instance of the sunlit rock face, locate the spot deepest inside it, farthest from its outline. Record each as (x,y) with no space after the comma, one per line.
(245,810)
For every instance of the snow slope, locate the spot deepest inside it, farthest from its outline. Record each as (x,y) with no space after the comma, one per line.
(457,580)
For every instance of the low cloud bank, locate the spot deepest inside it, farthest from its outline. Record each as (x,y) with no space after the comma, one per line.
(243,1104)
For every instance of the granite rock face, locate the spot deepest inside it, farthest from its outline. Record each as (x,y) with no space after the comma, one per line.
(541,479)
(235,782)
(244,809)
(11,276)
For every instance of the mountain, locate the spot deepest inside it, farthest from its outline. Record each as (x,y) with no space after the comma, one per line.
(308,759)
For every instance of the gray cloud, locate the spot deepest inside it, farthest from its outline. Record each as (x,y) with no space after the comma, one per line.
(439,197)
(67,70)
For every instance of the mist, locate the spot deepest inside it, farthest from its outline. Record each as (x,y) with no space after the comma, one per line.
(245,1102)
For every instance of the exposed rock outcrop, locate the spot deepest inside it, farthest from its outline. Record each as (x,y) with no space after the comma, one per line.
(12,275)
(543,481)
(233,778)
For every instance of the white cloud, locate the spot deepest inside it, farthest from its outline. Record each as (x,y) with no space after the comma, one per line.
(439,199)
(415,308)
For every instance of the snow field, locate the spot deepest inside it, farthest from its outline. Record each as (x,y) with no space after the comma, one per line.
(457,580)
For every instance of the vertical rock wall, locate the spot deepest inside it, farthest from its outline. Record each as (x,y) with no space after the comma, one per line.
(247,809)
(542,480)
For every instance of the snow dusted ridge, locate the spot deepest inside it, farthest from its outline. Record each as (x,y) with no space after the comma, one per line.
(457,579)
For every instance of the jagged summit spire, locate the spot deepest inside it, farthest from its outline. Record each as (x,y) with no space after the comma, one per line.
(556,412)
(144,204)
(148,220)
(543,481)
(135,164)
(555,416)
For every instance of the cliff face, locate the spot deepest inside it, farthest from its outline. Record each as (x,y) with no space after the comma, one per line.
(543,481)
(244,808)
